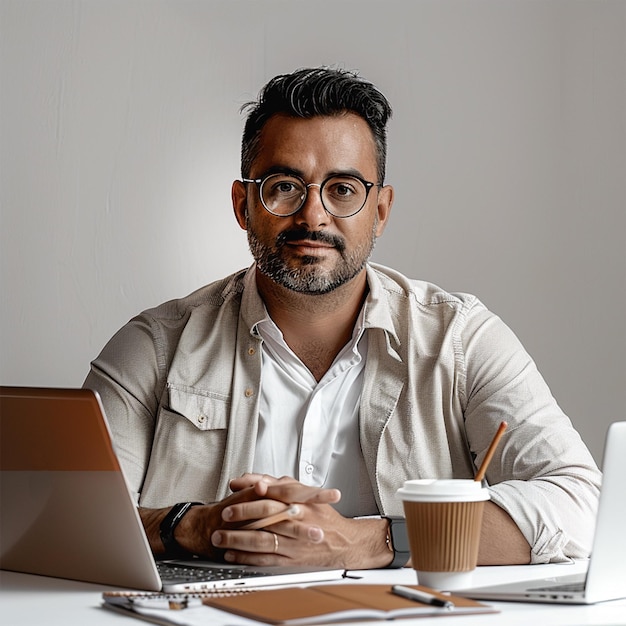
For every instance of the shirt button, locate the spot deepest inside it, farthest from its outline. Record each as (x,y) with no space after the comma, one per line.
(251,351)
(308,468)
(249,393)
(201,419)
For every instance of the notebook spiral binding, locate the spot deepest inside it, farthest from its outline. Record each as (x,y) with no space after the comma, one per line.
(175,601)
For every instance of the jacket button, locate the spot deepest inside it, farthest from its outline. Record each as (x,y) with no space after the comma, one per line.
(251,351)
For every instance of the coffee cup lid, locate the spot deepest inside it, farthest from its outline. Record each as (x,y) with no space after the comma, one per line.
(442,490)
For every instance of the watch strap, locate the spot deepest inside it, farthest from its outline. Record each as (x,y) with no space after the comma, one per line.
(398,541)
(168,526)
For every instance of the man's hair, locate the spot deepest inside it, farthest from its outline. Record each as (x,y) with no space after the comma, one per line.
(308,93)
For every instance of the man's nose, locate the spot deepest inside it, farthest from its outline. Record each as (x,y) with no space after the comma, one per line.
(312,213)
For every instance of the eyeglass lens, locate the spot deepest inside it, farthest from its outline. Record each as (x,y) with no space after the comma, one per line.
(342,196)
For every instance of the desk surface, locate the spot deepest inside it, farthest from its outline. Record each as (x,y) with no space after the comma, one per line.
(27,600)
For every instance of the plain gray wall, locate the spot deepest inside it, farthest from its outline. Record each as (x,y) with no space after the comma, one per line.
(120,132)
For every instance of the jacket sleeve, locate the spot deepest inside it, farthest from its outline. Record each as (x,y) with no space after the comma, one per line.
(542,474)
(128,378)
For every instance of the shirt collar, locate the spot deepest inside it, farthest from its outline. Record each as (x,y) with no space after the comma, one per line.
(253,308)
(377,310)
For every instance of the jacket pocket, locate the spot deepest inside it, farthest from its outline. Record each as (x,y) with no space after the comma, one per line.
(204,409)
(188,449)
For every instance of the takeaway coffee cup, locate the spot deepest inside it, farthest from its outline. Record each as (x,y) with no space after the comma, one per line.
(443,519)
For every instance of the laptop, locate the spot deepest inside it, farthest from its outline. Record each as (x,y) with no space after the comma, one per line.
(66,509)
(605,578)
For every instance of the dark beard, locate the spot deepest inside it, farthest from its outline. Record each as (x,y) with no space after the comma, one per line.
(306,278)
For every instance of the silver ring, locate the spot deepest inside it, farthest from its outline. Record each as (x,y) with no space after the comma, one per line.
(275,542)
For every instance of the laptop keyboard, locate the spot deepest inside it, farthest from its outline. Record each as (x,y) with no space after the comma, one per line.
(189,573)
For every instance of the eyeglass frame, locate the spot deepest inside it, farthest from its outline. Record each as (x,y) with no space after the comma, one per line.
(260,181)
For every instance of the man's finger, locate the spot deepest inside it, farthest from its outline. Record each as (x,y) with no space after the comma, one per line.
(281,516)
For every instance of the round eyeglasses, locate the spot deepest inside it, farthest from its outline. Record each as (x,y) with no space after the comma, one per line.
(283,195)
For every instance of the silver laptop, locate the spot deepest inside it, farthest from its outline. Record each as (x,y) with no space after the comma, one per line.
(606,575)
(66,510)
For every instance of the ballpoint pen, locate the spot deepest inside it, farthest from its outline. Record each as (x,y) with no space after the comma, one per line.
(417,595)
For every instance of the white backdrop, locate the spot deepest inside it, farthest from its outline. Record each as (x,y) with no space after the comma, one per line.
(120,132)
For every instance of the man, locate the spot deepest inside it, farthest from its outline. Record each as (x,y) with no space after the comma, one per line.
(342,377)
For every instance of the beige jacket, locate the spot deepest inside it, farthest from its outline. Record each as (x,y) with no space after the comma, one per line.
(180,385)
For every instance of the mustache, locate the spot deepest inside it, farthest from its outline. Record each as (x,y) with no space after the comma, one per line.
(303,234)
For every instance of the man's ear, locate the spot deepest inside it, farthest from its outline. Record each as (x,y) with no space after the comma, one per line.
(385,202)
(240,202)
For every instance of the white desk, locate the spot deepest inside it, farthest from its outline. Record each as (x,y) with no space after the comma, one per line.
(27,600)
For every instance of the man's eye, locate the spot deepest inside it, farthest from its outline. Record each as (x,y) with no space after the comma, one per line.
(343,190)
(285,187)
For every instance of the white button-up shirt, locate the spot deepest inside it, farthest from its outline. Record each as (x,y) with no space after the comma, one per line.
(308,429)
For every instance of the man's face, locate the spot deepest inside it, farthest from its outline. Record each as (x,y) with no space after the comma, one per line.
(312,251)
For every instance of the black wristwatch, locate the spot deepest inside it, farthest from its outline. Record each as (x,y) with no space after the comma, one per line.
(399,541)
(168,526)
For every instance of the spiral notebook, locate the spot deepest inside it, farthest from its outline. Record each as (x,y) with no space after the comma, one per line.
(66,510)
(320,604)
(294,606)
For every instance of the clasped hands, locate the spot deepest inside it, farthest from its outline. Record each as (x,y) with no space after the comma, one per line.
(313,534)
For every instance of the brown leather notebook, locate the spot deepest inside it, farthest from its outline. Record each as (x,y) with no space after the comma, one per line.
(331,603)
